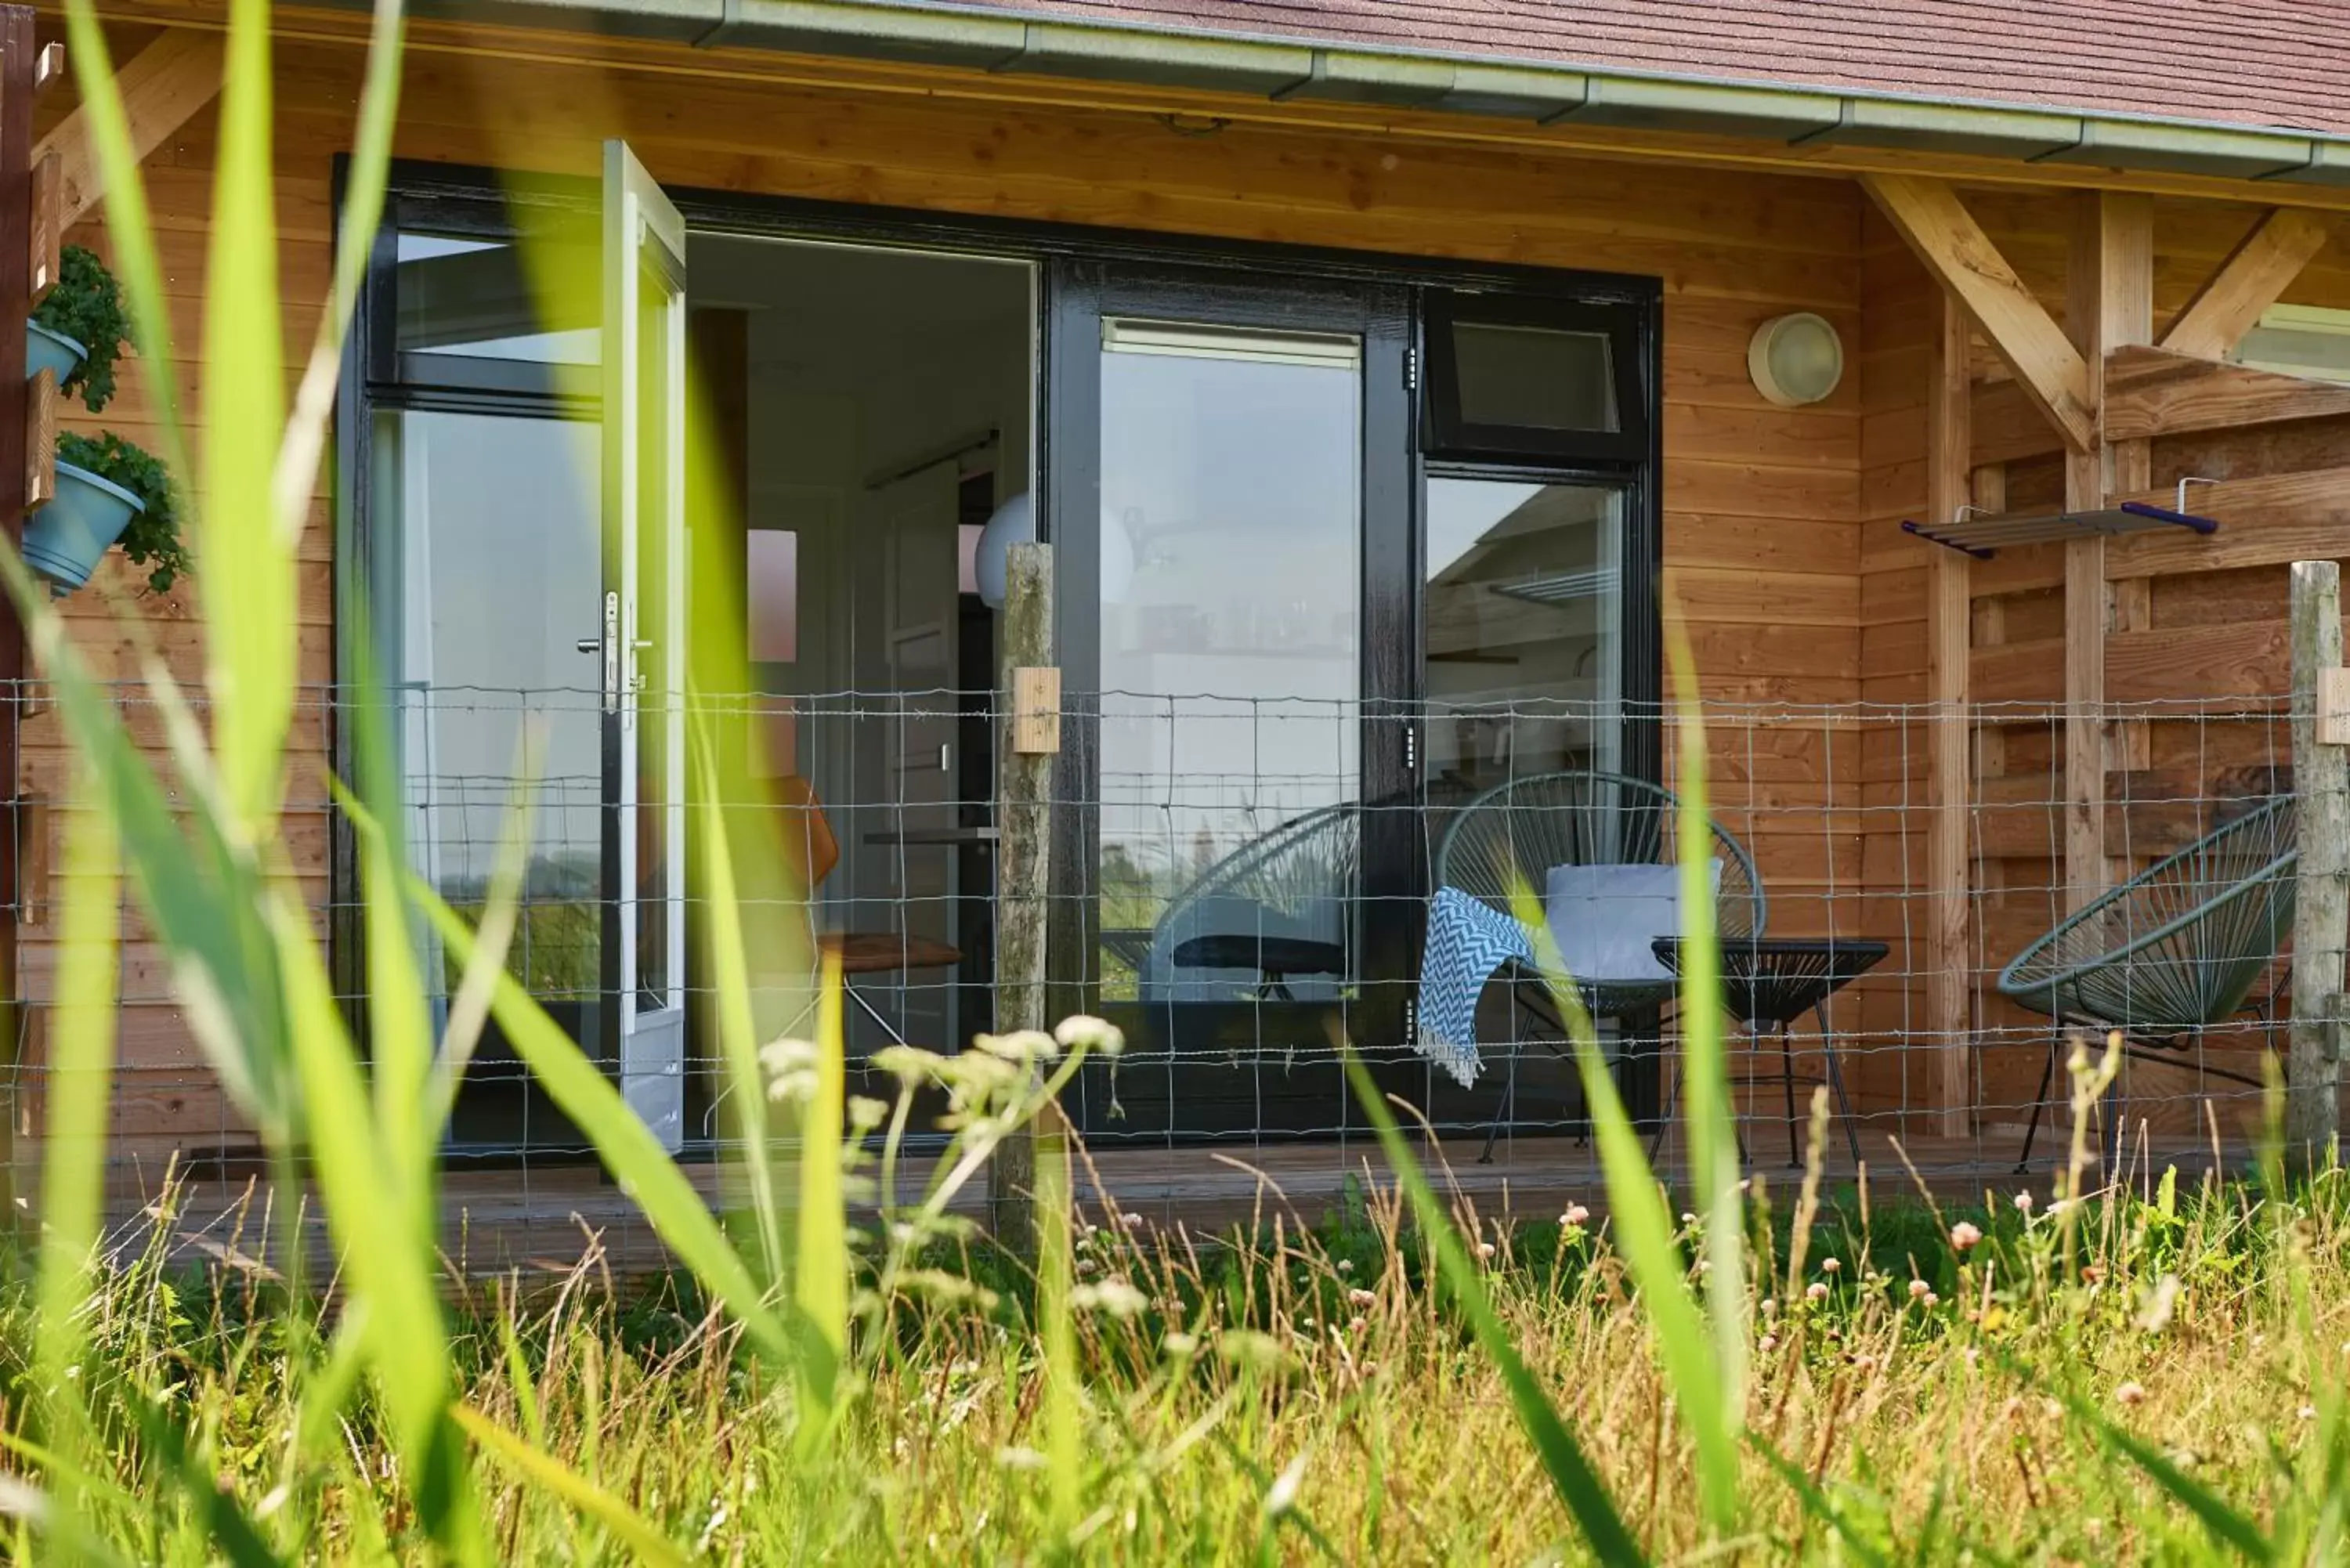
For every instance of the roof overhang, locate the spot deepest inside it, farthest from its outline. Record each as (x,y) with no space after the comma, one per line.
(1535,92)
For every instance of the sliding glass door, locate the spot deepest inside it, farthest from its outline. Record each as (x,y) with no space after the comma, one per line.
(1229,474)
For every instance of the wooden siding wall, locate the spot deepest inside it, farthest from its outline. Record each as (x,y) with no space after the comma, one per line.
(2210,623)
(1761,503)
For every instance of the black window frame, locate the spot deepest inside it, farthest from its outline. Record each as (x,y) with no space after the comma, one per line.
(1452,436)
(479,201)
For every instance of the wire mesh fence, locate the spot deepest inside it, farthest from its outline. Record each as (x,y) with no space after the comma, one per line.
(1251,887)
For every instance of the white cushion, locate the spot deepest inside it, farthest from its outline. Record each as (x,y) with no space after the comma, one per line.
(1605,918)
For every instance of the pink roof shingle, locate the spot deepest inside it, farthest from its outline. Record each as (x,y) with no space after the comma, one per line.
(2279,63)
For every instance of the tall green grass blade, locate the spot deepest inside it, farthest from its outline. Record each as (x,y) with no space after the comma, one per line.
(1578,1486)
(202,896)
(1705,1093)
(1644,1232)
(645,1543)
(296,475)
(128,224)
(746,1089)
(222,1519)
(820,1266)
(81,1097)
(2229,1528)
(249,586)
(370,1217)
(1817,1504)
(627,1147)
(1055,1325)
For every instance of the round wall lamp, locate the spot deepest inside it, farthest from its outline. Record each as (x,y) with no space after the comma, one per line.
(1796,359)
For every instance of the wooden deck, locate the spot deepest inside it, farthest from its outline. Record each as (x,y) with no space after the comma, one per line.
(545,1221)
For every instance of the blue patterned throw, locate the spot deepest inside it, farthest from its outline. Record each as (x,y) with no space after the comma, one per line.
(1466,942)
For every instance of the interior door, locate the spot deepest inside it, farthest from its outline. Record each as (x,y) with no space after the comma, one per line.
(642,638)
(919,630)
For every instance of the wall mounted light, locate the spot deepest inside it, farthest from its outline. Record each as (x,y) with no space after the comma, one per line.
(1796,359)
(1012,523)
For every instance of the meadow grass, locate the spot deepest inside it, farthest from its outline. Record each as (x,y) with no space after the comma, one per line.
(1289,1395)
(2145,1375)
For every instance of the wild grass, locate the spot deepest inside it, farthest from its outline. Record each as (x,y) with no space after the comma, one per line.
(2148,1375)
(1302,1396)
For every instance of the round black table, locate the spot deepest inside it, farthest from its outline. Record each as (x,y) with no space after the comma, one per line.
(1768,983)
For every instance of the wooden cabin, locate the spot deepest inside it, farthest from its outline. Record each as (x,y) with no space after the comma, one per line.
(1302,334)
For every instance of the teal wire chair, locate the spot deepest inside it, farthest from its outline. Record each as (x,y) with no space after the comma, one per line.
(2169,954)
(1509,837)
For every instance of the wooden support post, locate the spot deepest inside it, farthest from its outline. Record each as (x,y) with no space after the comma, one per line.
(1949,608)
(2126,306)
(2110,293)
(1022,864)
(2322,908)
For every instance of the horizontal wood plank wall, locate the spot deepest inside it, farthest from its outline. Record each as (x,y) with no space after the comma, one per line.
(1761,503)
(2216,630)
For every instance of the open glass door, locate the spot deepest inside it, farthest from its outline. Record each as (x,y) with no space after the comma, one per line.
(641,637)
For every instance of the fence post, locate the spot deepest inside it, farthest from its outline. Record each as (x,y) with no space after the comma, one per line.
(1025,744)
(2321,771)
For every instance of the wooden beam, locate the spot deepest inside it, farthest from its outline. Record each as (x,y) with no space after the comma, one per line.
(2153,392)
(162,88)
(1950,604)
(2050,369)
(2252,279)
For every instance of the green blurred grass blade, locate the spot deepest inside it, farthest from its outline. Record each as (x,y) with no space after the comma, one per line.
(223,1520)
(820,1266)
(249,583)
(1815,1503)
(1570,1476)
(746,1088)
(1643,1227)
(399,1028)
(627,1147)
(2227,1527)
(297,472)
(370,1215)
(202,897)
(81,1091)
(1705,1094)
(128,228)
(1055,1325)
(645,1543)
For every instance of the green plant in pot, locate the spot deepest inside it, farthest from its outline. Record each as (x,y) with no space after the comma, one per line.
(109,491)
(79,328)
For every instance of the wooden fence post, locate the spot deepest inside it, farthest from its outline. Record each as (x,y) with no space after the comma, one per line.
(1027,736)
(2321,771)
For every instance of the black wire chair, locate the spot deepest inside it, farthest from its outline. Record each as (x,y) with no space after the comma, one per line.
(1505,842)
(2169,954)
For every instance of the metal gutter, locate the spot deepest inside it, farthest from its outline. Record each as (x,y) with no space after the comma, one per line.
(926,32)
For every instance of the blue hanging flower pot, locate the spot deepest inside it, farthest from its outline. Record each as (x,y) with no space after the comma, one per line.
(65,539)
(52,351)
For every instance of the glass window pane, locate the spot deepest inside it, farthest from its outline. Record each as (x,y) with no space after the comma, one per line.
(479,507)
(1524,617)
(473,298)
(1230,593)
(1534,377)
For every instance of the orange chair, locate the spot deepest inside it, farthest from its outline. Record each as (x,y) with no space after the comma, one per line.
(813,850)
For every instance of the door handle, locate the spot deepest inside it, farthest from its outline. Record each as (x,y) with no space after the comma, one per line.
(589,645)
